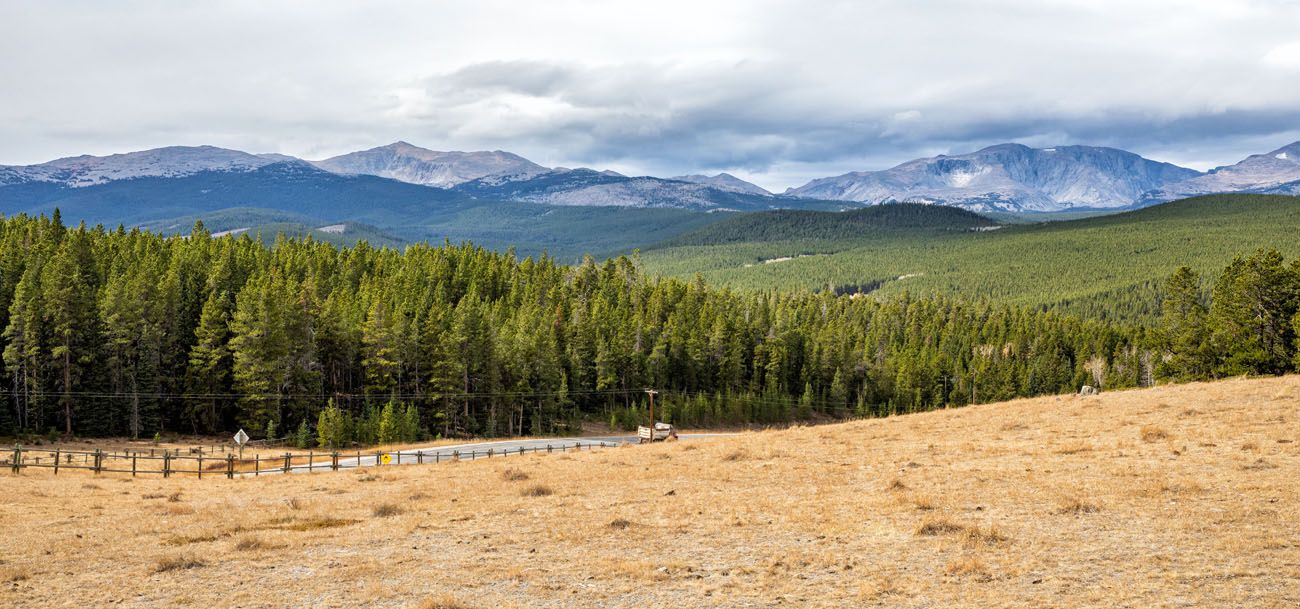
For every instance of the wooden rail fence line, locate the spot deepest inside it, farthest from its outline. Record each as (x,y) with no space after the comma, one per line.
(229,466)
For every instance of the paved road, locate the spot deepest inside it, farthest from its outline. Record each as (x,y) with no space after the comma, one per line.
(476,450)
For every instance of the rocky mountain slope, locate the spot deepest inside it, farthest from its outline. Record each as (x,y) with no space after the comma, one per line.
(1276,172)
(407,163)
(725,181)
(1008,177)
(169,162)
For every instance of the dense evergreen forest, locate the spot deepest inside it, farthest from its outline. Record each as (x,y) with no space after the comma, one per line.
(131,333)
(1108,267)
(128,333)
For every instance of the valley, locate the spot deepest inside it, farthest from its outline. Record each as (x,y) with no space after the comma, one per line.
(1107,267)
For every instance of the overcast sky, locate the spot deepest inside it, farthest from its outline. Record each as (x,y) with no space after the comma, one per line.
(778,92)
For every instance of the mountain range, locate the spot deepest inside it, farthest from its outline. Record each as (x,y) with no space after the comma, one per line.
(405,189)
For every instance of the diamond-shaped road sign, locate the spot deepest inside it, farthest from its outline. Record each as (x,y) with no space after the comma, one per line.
(241,437)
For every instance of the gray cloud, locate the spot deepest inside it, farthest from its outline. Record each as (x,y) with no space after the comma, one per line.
(774,90)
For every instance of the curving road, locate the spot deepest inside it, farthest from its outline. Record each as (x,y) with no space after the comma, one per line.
(469,451)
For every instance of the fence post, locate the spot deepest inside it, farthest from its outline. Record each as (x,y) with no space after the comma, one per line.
(56,462)
(489,453)
(257,464)
(132,465)
(200,463)
(18,458)
(311,457)
(230,466)
(334,460)
(437,457)
(99,460)
(419,457)
(548,449)
(379,458)
(455,455)
(287,458)
(399,456)
(167,464)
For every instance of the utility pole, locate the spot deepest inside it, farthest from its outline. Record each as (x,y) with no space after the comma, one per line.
(652,393)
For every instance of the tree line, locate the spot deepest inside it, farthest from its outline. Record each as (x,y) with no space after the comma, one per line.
(1247,322)
(117,332)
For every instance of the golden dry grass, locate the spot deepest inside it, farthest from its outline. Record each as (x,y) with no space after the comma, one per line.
(1051,502)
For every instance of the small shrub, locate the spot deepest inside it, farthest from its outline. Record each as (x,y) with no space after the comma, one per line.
(177,563)
(1076,505)
(318,523)
(1250,446)
(938,526)
(1153,434)
(538,490)
(294,503)
(249,544)
(384,510)
(922,502)
(735,455)
(977,536)
(441,602)
(174,497)
(514,475)
(620,523)
(896,485)
(967,566)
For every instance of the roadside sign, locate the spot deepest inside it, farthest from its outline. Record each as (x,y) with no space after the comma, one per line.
(385,458)
(241,438)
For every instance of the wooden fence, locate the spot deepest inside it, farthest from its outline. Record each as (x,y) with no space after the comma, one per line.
(170,464)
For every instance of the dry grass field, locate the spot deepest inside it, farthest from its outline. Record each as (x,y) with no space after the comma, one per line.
(1180,496)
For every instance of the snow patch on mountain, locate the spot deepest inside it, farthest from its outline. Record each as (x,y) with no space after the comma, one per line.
(724,181)
(170,162)
(1007,177)
(407,163)
(1271,172)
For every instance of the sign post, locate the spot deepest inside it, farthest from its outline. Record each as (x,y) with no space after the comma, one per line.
(652,393)
(241,438)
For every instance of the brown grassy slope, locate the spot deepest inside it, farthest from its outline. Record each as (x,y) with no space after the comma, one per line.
(1178,496)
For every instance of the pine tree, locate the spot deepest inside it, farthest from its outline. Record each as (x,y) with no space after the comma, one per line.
(69,284)
(1183,324)
(209,372)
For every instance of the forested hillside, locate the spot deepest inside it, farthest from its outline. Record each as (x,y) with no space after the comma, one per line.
(1108,267)
(116,332)
(804,225)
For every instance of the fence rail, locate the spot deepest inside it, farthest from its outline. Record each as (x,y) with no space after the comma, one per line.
(170,464)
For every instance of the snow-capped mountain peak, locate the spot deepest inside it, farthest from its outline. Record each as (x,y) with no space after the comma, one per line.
(171,161)
(724,181)
(1007,177)
(1272,172)
(409,163)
